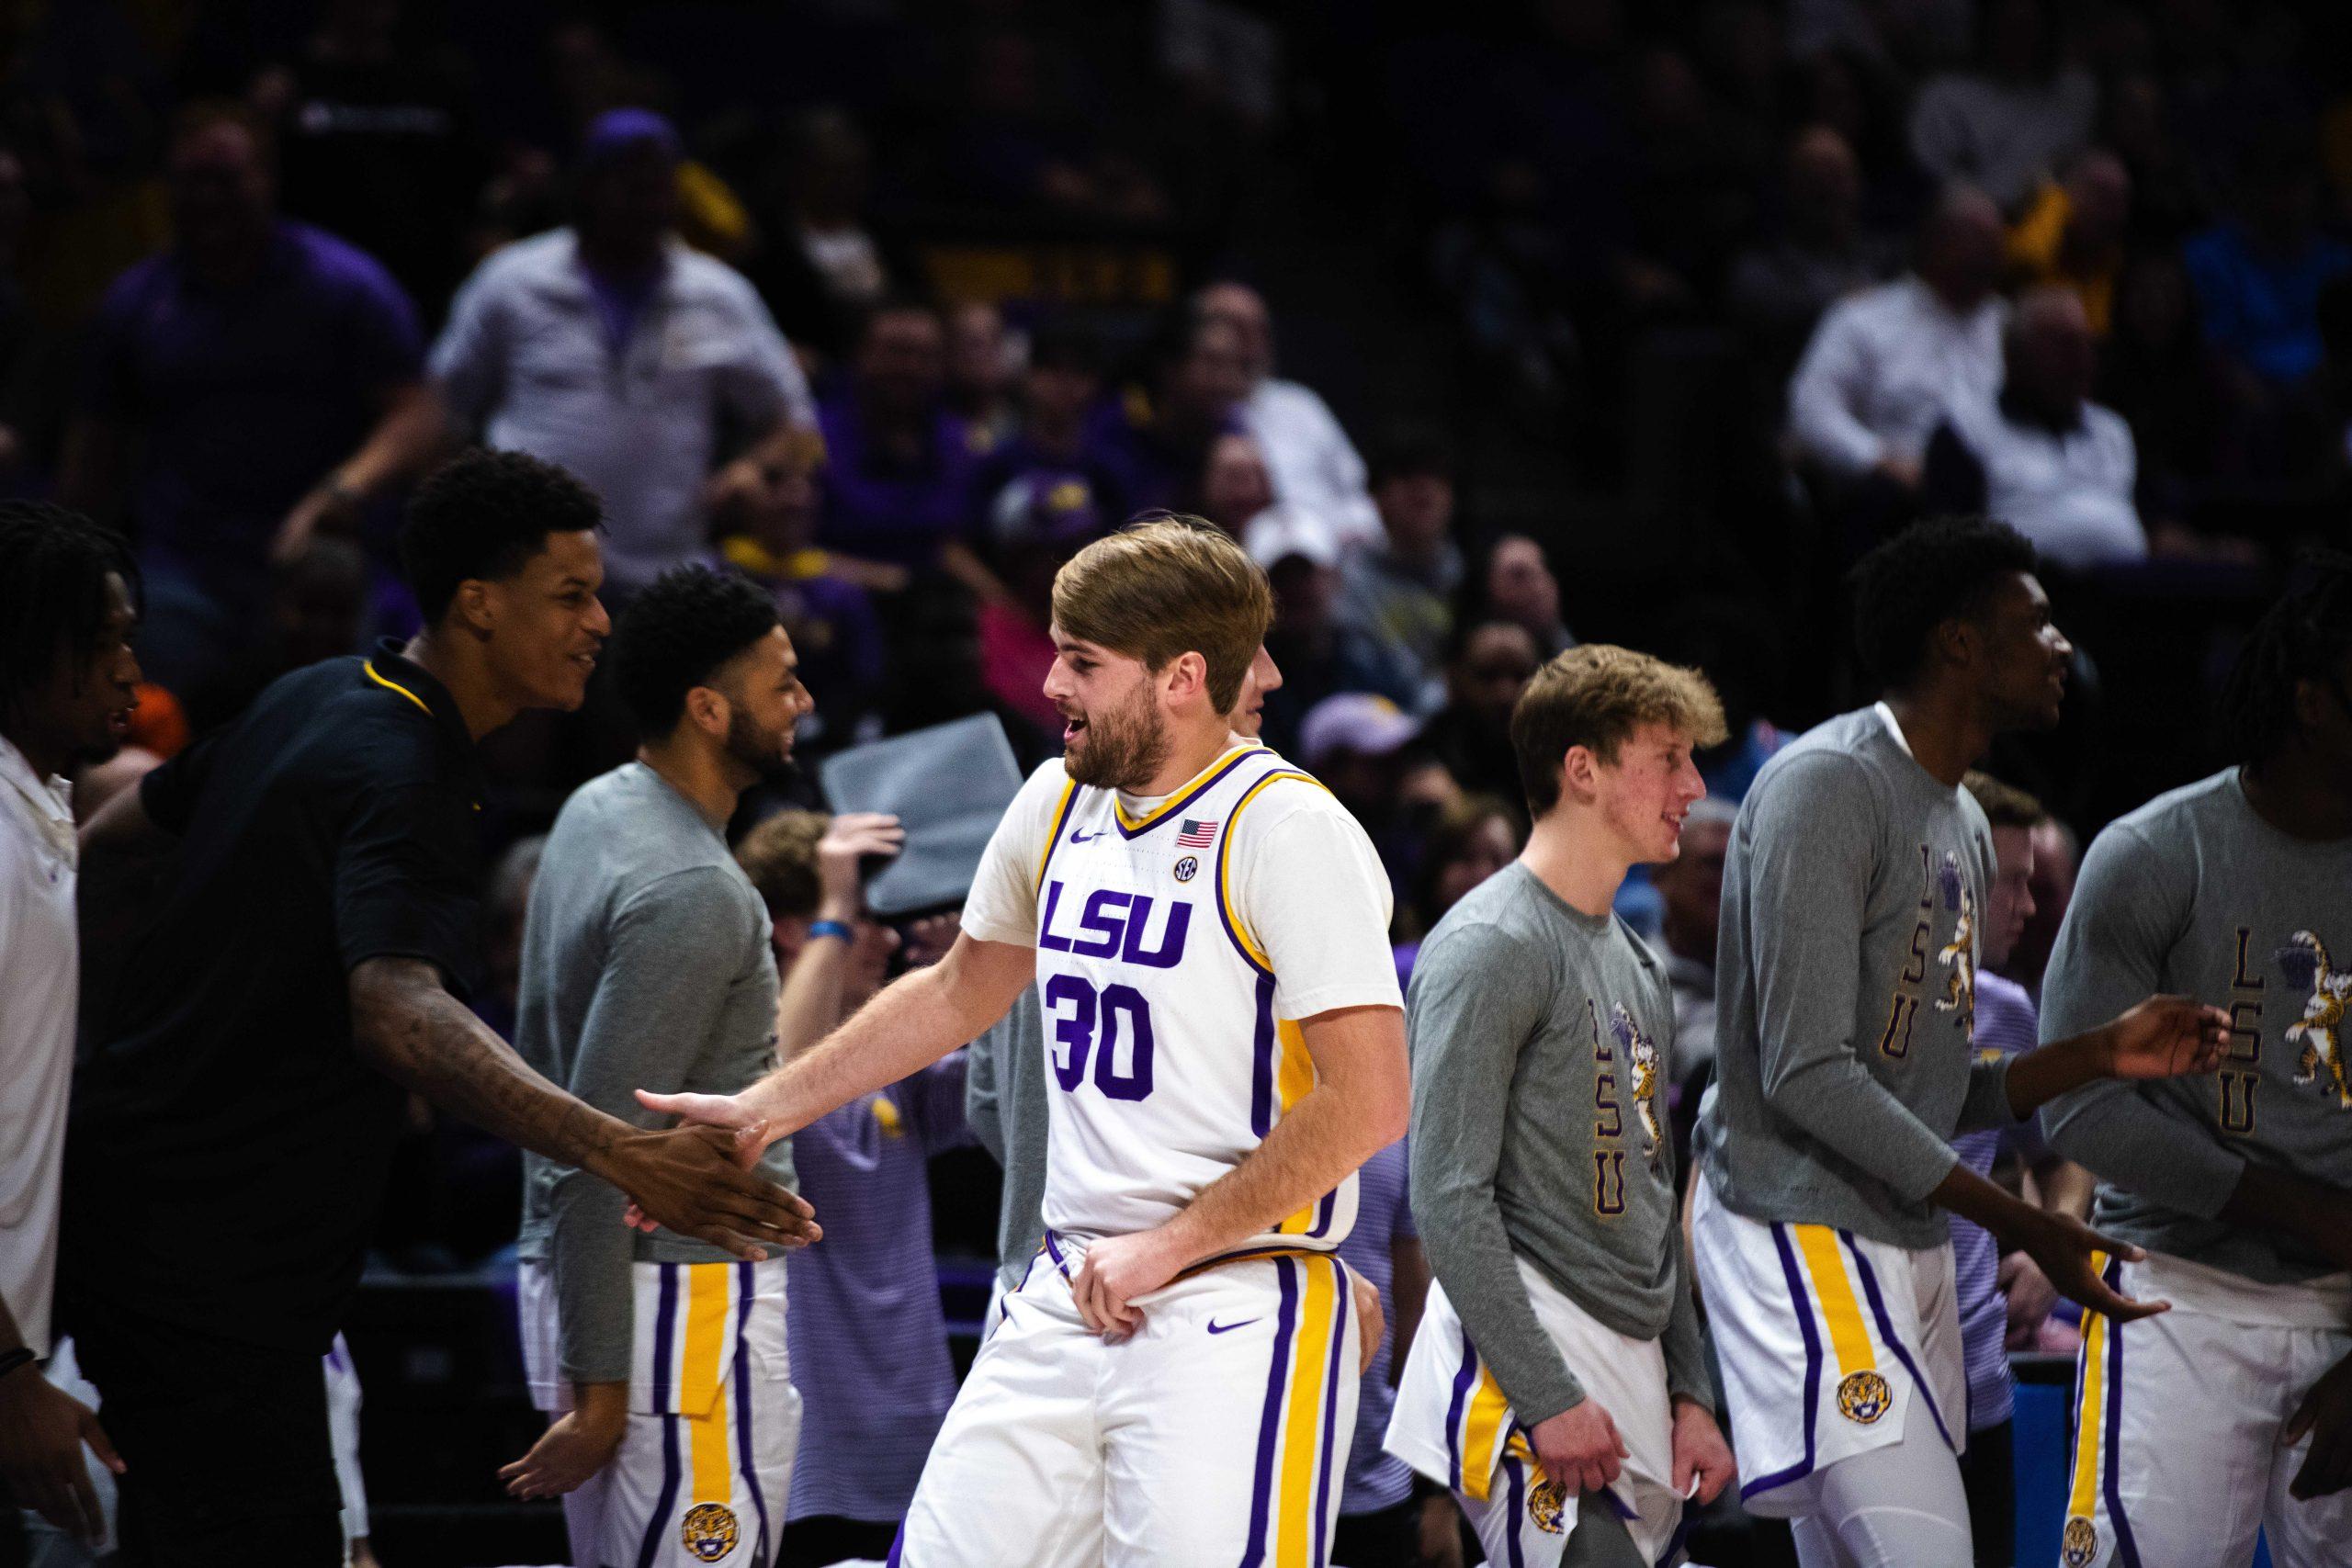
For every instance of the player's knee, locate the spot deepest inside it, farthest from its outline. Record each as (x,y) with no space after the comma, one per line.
(1896,1537)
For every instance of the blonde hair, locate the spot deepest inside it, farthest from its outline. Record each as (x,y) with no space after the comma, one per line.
(780,857)
(1595,695)
(2006,806)
(1160,589)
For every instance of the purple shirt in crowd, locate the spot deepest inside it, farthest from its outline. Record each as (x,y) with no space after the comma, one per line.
(885,510)
(1377,1479)
(869,1341)
(246,397)
(2004,1021)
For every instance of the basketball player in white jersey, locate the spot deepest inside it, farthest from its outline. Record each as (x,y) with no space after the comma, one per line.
(1174,1381)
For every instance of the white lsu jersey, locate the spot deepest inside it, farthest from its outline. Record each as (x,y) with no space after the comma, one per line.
(1178,942)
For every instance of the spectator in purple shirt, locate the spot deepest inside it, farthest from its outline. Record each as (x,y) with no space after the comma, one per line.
(900,469)
(869,1341)
(824,599)
(1157,441)
(269,377)
(1049,448)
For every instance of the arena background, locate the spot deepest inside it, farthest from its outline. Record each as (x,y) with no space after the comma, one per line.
(1564,255)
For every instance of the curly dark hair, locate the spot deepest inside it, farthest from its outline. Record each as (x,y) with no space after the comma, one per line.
(1928,574)
(2304,636)
(480,516)
(675,635)
(53,567)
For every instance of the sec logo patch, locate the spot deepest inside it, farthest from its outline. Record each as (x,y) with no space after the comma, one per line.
(1863,1397)
(710,1531)
(1187,869)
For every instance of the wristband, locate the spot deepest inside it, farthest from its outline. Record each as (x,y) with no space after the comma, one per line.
(830,927)
(19,1356)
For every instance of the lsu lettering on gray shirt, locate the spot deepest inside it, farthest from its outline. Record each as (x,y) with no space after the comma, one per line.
(646,965)
(1845,988)
(2196,892)
(1539,1038)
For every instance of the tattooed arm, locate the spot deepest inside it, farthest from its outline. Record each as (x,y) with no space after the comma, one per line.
(408,1024)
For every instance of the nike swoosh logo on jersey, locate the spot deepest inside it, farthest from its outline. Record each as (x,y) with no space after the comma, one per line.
(1216,1327)
(1080,835)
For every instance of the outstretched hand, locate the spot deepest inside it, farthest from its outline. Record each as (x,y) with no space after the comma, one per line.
(2061,1246)
(695,1180)
(2167,1037)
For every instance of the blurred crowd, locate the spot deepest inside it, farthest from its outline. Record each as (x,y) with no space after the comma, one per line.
(1657,316)
(2069,262)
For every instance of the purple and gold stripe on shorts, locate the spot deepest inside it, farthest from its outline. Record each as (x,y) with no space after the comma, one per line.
(1291,1489)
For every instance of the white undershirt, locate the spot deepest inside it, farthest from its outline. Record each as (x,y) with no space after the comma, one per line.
(40,988)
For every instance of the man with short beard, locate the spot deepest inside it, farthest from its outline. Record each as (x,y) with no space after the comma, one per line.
(646,959)
(1208,930)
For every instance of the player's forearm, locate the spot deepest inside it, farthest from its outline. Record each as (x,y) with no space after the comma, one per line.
(2062,1067)
(909,1025)
(808,1003)
(419,1035)
(1685,1345)
(1317,1145)
(1971,1197)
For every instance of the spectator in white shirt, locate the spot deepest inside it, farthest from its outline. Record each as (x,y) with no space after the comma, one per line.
(2040,454)
(1875,380)
(1314,465)
(612,349)
(67,679)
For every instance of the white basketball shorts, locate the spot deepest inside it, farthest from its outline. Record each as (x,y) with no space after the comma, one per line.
(704,1470)
(1216,1435)
(1452,1424)
(1830,1343)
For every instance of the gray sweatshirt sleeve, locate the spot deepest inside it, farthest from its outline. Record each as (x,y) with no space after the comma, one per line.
(1477,995)
(1987,1107)
(1684,1342)
(675,947)
(1807,884)
(2129,906)
(980,1111)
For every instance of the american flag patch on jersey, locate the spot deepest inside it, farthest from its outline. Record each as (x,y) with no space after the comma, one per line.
(1191,835)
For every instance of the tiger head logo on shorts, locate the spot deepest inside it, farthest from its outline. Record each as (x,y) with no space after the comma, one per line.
(710,1531)
(2080,1543)
(1863,1397)
(1547,1505)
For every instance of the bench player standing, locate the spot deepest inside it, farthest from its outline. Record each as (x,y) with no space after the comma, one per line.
(1174,1379)
(2196,1428)
(1855,883)
(1558,1383)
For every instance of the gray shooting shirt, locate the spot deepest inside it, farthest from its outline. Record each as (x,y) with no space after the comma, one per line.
(1846,987)
(1004,1102)
(646,965)
(2195,893)
(1540,1038)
